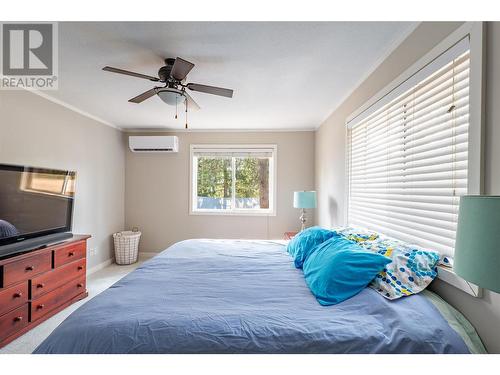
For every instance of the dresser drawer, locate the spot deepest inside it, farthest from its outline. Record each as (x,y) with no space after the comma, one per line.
(68,254)
(44,304)
(13,297)
(26,268)
(57,277)
(13,321)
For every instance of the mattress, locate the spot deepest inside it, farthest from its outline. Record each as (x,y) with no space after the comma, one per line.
(235,296)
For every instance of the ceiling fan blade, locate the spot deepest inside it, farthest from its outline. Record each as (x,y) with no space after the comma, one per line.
(228,93)
(129,73)
(145,95)
(181,69)
(191,103)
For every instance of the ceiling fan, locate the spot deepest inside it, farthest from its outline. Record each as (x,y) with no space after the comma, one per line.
(173,75)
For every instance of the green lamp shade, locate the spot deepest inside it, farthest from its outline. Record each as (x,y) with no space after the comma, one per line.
(477,246)
(304,199)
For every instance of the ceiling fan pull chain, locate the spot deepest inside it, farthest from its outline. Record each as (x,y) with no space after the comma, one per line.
(176,101)
(186,113)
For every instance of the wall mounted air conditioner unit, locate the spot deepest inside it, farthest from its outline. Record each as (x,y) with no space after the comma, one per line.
(153,143)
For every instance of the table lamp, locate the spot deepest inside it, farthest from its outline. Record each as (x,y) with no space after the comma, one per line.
(477,244)
(303,200)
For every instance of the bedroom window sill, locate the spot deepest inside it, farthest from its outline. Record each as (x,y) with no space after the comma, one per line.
(232,213)
(447,275)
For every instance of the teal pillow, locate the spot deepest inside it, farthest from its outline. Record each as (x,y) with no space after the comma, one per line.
(339,269)
(306,241)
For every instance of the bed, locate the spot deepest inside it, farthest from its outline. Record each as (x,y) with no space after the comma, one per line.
(235,296)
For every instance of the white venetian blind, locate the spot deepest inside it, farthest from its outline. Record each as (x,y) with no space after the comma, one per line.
(407,159)
(236,152)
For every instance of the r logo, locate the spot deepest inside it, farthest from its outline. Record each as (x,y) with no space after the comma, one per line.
(27,49)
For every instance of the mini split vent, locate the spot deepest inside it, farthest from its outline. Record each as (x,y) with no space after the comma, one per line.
(151,143)
(153,149)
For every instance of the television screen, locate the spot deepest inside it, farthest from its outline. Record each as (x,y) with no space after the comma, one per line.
(34,202)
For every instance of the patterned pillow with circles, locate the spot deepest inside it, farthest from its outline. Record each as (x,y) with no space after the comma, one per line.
(412,268)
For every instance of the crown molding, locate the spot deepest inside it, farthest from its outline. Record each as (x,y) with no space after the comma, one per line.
(62,103)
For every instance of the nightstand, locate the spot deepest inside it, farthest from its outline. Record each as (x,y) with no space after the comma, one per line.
(289,235)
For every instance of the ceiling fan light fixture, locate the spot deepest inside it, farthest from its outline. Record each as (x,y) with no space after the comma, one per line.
(173,75)
(171,96)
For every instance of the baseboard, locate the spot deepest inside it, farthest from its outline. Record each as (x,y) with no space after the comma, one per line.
(147,254)
(143,255)
(100,266)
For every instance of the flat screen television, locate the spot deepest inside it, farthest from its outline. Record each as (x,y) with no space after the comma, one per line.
(36,207)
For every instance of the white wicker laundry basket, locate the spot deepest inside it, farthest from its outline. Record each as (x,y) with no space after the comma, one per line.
(126,246)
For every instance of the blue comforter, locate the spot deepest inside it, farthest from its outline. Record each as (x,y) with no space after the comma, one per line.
(225,296)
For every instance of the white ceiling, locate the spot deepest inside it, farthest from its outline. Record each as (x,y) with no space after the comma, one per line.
(285,75)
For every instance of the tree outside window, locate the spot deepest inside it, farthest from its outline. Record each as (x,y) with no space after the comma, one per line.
(232,181)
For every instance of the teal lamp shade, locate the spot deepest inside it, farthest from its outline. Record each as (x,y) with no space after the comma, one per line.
(477,245)
(304,199)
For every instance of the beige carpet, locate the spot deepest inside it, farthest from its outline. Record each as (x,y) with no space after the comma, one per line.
(96,283)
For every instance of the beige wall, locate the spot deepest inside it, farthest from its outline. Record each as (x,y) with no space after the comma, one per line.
(330,156)
(157,191)
(37,132)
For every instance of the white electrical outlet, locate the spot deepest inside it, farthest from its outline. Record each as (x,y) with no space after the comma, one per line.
(92,252)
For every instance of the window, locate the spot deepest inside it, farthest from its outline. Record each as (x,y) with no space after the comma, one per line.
(409,155)
(233,179)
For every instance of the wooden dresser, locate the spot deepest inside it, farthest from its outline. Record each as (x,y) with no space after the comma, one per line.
(38,284)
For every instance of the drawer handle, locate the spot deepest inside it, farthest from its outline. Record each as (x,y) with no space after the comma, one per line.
(18,318)
(80,268)
(41,285)
(71,253)
(30,268)
(18,295)
(40,306)
(79,285)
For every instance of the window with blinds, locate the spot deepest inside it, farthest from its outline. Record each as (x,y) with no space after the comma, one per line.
(408,157)
(232,179)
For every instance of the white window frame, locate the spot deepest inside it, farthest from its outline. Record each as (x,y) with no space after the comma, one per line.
(476,32)
(193,179)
